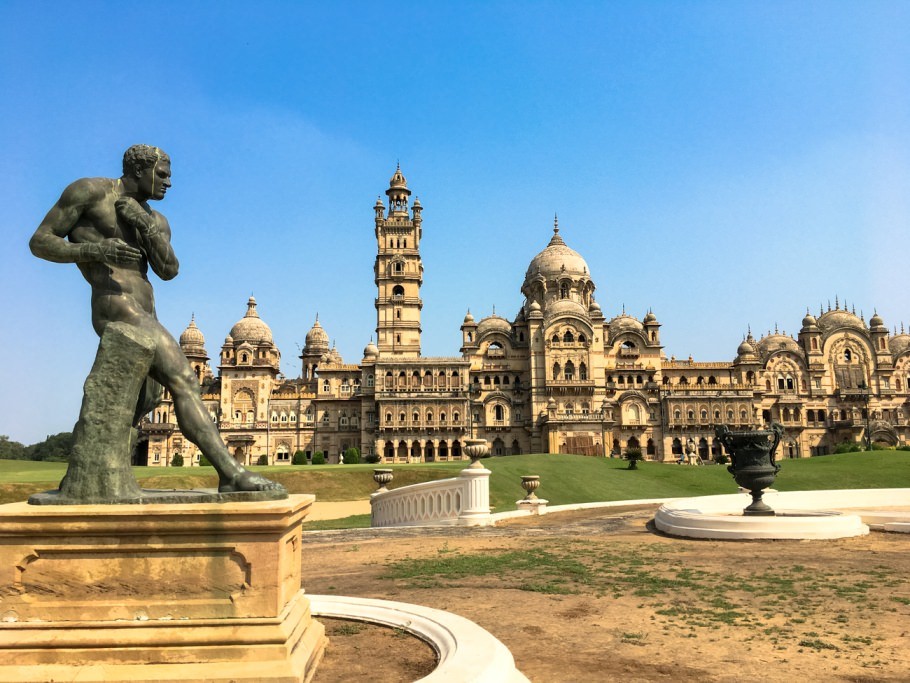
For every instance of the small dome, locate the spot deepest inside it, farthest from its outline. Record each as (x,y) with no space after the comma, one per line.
(745,349)
(649,318)
(594,308)
(778,342)
(370,350)
(876,320)
(493,323)
(229,340)
(555,261)
(533,307)
(809,321)
(398,180)
(898,344)
(251,327)
(317,340)
(468,319)
(334,356)
(192,336)
(624,323)
(566,307)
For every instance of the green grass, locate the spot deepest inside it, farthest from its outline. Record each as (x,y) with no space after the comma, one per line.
(564,479)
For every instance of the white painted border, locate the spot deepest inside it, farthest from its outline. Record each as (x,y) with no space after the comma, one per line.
(467,653)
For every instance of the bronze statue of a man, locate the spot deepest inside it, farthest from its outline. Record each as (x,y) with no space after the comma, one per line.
(107,228)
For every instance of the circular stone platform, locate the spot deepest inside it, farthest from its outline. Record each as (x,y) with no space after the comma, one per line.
(800,514)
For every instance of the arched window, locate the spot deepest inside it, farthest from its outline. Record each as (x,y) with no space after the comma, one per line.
(370,380)
(416,417)
(582,339)
(486,380)
(498,413)
(704,415)
(555,339)
(677,414)
(583,372)
(568,337)
(401,417)
(570,370)
(556,370)
(569,408)
(564,291)
(442,417)
(691,414)
(848,355)
(456,418)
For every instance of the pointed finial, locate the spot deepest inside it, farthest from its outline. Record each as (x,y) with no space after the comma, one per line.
(494,309)
(829,305)
(821,310)
(623,309)
(775,328)
(556,223)
(902,327)
(836,303)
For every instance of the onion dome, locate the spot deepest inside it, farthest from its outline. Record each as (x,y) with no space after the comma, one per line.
(556,260)
(192,338)
(746,348)
(334,356)
(317,340)
(594,308)
(876,320)
(251,328)
(649,318)
(493,323)
(371,350)
(468,318)
(534,310)
(809,321)
(229,340)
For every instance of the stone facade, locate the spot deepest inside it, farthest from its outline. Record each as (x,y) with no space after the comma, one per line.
(557,378)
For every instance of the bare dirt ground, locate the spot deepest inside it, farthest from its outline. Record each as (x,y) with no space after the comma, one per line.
(600,596)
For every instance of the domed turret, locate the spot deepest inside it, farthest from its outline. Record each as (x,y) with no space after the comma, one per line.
(251,328)
(317,340)
(876,320)
(773,343)
(831,321)
(468,318)
(192,338)
(370,351)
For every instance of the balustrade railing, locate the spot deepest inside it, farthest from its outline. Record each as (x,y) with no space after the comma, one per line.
(460,501)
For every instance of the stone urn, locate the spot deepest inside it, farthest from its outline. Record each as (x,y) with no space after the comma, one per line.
(383,478)
(530,483)
(476,449)
(753,464)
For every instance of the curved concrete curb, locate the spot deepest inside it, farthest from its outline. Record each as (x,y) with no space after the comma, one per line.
(801,515)
(466,652)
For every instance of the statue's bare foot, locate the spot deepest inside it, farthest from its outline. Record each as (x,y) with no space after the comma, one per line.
(249,481)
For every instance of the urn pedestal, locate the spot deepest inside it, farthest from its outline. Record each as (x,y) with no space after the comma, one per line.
(752,461)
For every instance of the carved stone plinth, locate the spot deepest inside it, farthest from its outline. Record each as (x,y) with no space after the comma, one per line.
(202,591)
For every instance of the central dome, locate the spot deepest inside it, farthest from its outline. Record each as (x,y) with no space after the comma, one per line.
(556,260)
(251,328)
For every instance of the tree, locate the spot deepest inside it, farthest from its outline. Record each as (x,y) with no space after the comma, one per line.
(633,455)
(55,448)
(11,450)
(352,456)
(263,460)
(299,458)
(177,460)
(318,458)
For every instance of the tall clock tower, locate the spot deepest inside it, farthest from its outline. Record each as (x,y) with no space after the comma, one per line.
(398,272)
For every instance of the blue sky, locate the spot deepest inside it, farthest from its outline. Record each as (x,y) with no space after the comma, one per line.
(726,164)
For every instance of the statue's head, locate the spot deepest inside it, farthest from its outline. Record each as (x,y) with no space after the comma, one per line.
(150,168)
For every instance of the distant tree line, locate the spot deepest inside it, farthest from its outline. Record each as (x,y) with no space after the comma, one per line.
(55,448)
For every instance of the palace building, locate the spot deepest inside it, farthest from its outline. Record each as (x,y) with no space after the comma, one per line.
(557,378)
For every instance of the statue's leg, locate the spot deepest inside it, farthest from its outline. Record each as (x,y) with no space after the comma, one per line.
(172,369)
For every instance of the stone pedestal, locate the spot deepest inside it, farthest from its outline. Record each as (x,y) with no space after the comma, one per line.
(202,591)
(535,506)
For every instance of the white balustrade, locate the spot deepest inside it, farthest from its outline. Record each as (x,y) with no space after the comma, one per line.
(463,501)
